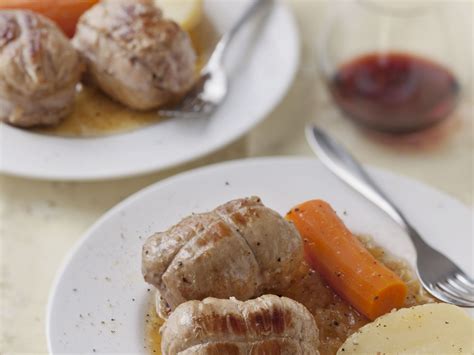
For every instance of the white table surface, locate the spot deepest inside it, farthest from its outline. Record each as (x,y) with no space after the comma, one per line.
(40,221)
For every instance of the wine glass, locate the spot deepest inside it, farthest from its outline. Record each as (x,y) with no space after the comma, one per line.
(391,66)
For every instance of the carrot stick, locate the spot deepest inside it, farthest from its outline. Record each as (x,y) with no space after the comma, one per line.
(345,264)
(65,13)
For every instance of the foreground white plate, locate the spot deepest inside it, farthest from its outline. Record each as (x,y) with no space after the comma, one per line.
(263,64)
(102,280)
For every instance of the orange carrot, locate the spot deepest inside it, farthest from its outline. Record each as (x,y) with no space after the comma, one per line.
(345,264)
(64,12)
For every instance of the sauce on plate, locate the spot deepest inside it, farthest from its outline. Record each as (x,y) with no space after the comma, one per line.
(95,114)
(153,324)
(335,318)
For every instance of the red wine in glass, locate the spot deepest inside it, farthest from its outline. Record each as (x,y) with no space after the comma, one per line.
(395,92)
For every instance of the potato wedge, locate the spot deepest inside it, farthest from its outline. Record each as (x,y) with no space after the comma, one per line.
(427,329)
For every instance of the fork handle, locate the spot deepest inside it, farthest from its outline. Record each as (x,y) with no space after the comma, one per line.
(221,47)
(348,169)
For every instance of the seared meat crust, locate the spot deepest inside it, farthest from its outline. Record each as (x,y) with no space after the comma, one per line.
(135,55)
(241,249)
(39,70)
(266,325)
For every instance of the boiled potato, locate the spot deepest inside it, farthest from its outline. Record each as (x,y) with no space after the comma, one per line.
(427,329)
(187,13)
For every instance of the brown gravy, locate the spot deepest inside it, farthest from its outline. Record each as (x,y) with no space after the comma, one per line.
(153,324)
(335,318)
(95,114)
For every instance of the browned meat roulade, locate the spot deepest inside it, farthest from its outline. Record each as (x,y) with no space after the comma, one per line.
(241,249)
(39,70)
(135,55)
(266,325)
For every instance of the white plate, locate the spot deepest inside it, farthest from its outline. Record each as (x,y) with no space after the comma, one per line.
(104,267)
(263,63)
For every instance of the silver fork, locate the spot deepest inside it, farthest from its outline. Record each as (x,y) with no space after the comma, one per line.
(212,85)
(440,276)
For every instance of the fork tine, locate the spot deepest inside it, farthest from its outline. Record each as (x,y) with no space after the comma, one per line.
(456,297)
(180,114)
(183,110)
(208,107)
(461,286)
(193,104)
(197,105)
(466,280)
(447,297)
(168,113)
(199,108)
(184,107)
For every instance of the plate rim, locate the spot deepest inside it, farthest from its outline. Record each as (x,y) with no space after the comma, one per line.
(200,170)
(295,59)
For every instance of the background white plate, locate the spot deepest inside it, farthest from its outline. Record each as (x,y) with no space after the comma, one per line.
(263,64)
(102,280)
